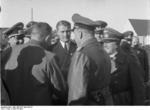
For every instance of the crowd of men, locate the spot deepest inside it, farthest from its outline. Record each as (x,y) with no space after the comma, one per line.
(90,64)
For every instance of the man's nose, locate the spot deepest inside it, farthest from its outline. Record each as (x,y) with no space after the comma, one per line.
(65,33)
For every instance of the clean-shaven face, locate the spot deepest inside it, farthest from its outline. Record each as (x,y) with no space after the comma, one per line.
(135,41)
(64,33)
(110,47)
(77,36)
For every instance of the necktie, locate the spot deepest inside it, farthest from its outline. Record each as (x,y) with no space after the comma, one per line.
(66,46)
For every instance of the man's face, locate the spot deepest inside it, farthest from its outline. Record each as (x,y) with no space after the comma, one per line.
(135,41)
(77,36)
(64,33)
(128,39)
(110,47)
(99,34)
(99,37)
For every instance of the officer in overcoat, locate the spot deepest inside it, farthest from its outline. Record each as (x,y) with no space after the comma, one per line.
(89,74)
(127,83)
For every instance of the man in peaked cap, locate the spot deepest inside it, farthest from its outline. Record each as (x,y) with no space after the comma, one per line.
(126,41)
(101,24)
(128,35)
(127,84)
(89,73)
(112,34)
(99,30)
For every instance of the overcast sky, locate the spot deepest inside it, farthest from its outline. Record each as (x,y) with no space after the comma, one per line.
(115,12)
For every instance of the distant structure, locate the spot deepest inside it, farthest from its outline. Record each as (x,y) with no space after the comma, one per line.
(142,29)
(31,14)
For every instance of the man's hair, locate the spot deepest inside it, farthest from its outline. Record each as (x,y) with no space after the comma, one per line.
(44,28)
(64,23)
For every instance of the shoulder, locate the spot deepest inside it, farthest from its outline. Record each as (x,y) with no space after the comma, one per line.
(121,56)
(16,49)
(49,55)
(82,58)
(132,59)
(81,55)
(142,50)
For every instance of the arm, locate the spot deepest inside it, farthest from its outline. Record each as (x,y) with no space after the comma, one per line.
(137,82)
(78,79)
(146,67)
(56,78)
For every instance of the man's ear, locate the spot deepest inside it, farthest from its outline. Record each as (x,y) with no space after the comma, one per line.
(81,35)
(46,38)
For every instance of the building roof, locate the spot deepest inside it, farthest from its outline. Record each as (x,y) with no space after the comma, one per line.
(141,27)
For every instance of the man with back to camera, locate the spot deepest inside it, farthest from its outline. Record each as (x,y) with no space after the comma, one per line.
(31,73)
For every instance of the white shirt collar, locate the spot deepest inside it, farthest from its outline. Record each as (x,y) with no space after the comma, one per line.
(113,55)
(63,43)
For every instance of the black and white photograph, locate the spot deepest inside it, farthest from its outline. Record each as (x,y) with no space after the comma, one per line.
(63,54)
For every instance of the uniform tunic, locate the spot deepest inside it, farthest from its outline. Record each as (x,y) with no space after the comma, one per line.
(89,72)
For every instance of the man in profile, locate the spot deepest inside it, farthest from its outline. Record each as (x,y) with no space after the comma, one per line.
(31,73)
(89,73)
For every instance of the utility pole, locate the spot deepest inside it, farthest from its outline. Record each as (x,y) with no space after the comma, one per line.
(31,14)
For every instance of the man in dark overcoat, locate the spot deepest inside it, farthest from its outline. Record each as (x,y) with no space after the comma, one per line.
(127,83)
(31,73)
(64,48)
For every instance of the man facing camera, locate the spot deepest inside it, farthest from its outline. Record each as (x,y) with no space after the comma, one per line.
(64,48)
(127,83)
